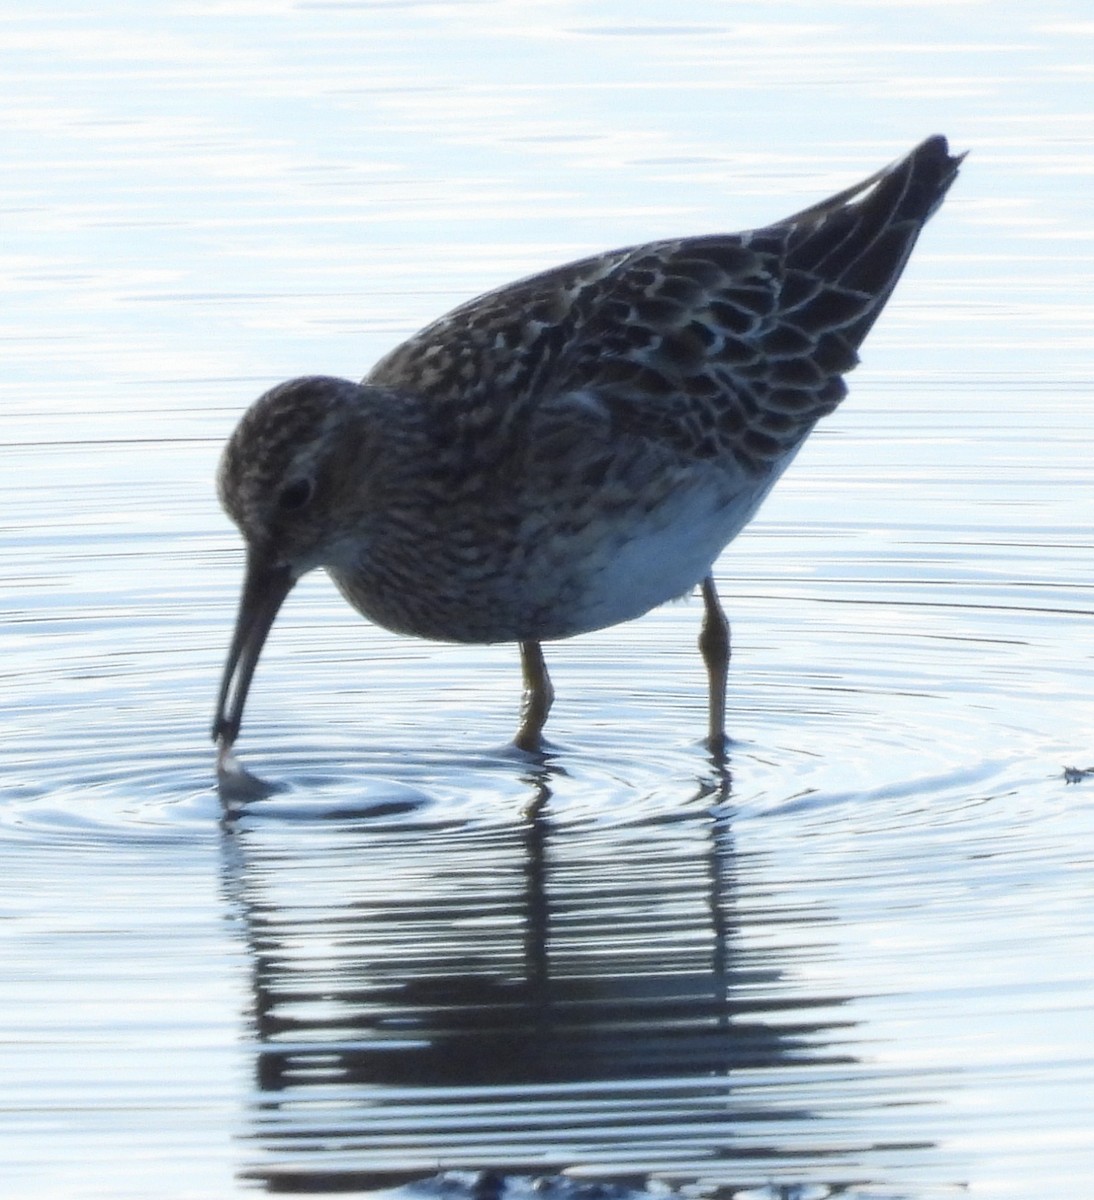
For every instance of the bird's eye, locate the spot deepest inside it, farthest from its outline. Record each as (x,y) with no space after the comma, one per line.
(294,495)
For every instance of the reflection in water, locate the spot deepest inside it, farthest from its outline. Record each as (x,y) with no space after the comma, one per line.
(529,997)
(201,199)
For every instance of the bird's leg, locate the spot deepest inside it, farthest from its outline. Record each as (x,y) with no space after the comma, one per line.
(538,697)
(714,647)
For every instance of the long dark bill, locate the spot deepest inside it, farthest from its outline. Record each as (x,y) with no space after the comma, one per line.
(265,586)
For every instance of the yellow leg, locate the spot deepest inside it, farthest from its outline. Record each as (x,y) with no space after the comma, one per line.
(539,695)
(714,646)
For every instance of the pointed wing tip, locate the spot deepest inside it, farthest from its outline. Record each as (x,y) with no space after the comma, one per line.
(937,147)
(931,165)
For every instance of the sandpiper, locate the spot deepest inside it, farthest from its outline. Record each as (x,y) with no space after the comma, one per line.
(571,450)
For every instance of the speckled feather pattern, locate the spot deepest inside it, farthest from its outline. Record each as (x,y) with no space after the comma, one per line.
(726,346)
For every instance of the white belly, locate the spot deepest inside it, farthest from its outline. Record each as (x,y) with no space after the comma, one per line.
(664,556)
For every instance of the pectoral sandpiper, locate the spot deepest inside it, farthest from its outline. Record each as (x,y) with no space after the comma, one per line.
(574,449)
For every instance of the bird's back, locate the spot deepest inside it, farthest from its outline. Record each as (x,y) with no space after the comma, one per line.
(725,347)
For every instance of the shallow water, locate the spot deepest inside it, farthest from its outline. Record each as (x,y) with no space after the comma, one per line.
(857,962)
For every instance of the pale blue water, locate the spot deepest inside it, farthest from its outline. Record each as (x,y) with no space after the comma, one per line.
(858,965)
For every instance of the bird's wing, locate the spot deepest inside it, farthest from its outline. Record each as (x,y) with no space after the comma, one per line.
(727,346)
(735,345)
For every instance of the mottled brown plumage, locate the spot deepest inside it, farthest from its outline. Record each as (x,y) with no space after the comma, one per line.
(571,450)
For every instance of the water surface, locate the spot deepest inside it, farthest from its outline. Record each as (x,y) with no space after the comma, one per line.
(855,962)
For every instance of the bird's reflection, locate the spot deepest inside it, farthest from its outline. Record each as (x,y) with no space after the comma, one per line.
(535,995)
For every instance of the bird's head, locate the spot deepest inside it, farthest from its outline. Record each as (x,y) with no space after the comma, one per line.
(298,477)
